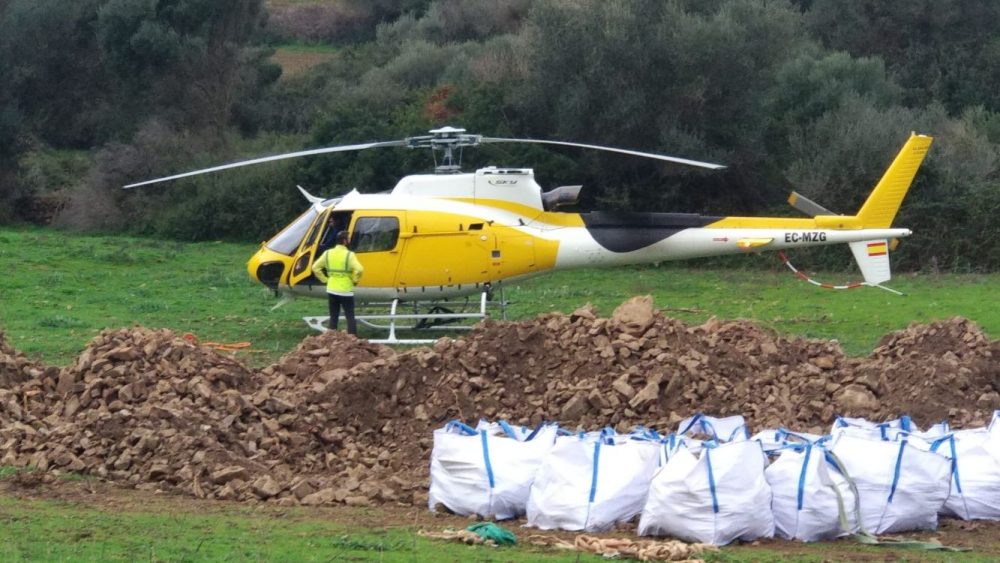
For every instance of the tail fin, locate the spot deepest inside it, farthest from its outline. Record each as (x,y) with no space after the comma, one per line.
(872,257)
(883,203)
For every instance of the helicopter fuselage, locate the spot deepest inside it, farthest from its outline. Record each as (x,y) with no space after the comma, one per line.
(447,235)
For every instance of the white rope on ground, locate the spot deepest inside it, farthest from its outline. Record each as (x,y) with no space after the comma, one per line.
(643,550)
(464,536)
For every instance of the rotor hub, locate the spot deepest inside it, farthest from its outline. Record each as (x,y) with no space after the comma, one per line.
(445,139)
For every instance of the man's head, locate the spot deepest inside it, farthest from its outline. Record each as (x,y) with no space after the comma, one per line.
(342,238)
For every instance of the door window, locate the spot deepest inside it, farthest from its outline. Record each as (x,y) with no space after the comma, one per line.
(375,234)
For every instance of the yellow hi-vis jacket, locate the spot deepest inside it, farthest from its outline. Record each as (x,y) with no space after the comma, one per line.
(340,269)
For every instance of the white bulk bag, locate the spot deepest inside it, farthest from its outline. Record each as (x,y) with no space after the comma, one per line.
(812,500)
(722,429)
(668,444)
(771,440)
(590,482)
(717,429)
(718,497)
(888,430)
(486,471)
(881,430)
(901,487)
(975,475)
(936,431)
(671,444)
(775,440)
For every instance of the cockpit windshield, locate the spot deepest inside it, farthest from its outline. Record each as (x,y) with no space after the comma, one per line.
(287,241)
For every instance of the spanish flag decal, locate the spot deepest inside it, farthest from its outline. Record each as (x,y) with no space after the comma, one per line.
(877,248)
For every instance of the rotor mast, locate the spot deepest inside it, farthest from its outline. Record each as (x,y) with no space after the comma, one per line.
(445,139)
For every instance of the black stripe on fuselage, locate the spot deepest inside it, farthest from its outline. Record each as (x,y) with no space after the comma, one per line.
(625,232)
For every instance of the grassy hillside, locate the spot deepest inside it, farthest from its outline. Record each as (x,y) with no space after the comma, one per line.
(59,290)
(297,59)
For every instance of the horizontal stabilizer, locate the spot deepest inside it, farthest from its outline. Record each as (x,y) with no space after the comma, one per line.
(873,260)
(807,206)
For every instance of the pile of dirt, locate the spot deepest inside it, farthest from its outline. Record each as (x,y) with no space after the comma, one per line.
(944,370)
(340,420)
(639,367)
(137,406)
(150,409)
(15,367)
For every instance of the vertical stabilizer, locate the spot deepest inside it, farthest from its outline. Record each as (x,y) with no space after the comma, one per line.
(883,203)
(873,260)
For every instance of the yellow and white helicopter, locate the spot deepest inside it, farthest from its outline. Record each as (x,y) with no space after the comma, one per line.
(450,235)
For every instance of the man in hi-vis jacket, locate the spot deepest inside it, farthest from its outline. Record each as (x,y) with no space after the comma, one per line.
(340,269)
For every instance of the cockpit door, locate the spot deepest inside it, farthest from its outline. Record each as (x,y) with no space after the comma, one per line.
(302,266)
(376,240)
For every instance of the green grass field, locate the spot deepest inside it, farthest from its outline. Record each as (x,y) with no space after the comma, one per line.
(59,290)
(47,530)
(57,530)
(93,522)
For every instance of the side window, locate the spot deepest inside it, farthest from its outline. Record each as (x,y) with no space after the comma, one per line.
(375,234)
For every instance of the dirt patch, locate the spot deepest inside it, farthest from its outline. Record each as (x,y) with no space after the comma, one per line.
(342,421)
(297,63)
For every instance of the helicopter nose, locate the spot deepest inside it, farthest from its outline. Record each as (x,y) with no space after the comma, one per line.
(268,267)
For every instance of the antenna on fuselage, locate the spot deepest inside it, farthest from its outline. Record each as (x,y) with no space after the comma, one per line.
(311,198)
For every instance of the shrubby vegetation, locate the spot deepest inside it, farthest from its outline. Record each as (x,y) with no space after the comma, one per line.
(815,96)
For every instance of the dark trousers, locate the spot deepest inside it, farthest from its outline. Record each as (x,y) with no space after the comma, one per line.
(347,302)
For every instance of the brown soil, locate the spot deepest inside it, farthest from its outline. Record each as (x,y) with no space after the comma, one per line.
(342,421)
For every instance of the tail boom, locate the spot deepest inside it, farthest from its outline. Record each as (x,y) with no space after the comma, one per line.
(577,249)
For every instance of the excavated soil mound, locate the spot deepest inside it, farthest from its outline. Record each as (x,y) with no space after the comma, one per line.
(929,371)
(341,420)
(15,368)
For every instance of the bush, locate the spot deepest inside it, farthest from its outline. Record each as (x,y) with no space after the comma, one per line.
(335,23)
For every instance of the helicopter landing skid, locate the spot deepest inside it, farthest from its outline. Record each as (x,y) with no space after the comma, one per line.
(439,315)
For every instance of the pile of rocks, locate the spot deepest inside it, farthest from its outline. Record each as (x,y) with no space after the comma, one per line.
(16,368)
(944,370)
(153,410)
(341,420)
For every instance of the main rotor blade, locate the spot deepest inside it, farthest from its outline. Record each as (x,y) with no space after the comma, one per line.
(610,149)
(341,148)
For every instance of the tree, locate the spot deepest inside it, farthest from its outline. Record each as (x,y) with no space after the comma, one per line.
(943,50)
(52,74)
(815,83)
(687,78)
(187,57)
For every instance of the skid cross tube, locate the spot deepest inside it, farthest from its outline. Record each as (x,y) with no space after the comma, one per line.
(433,320)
